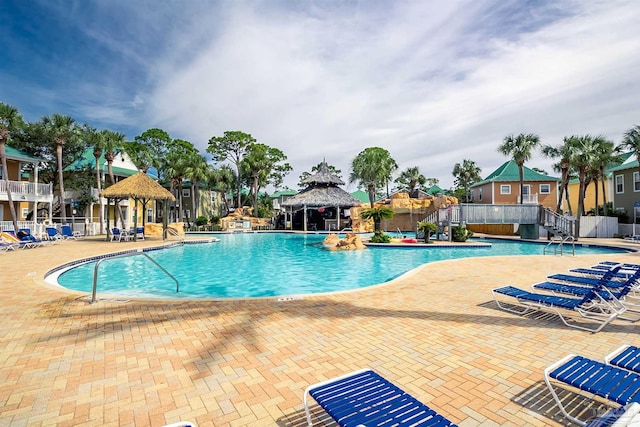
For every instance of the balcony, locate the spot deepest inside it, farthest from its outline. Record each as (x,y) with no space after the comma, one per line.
(23,191)
(530,199)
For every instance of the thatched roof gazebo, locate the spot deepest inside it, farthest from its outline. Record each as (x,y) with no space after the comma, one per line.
(138,187)
(322,192)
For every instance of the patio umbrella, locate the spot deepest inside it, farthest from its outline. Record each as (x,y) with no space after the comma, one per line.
(139,187)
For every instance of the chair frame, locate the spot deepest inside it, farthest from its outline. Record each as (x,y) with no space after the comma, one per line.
(597,378)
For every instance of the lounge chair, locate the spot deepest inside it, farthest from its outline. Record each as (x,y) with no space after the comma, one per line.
(592,306)
(139,233)
(118,235)
(10,236)
(608,382)
(588,281)
(24,234)
(625,357)
(67,233)
(364,398)
(53,234)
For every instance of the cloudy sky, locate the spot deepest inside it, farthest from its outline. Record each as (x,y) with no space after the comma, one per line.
(433,82)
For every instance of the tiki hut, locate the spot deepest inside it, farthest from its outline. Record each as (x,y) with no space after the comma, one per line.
(139,187)
(322,205)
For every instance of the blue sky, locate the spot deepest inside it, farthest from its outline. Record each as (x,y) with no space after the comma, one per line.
(433,82)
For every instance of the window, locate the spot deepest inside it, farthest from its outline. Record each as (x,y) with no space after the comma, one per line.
(619,184)
(25,212)
(636,181)
(505,189)
(480,194)
(186,192)
(545,188)
(471,195)
(149,215)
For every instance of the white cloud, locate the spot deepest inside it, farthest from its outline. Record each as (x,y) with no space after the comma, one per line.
(432,82)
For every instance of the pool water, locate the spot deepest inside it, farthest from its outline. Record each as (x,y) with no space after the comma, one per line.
(272,264)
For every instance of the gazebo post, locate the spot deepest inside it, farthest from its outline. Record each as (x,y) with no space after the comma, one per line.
(165,209)
(304,227)
(108,228)
(337,218)
(135,219)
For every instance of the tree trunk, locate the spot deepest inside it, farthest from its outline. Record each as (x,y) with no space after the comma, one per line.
(521,173)
(12,208)
(63,206)
(604,193)
(99,187)
(113,181)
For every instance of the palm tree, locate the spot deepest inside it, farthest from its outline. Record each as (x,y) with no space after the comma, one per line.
(583,157)
(631,142)
(10,119)
(62,129)
(112,143)
(96,139)
(223,178)
(520,149)
(563,153)
(466,174)
(372,168)
(377,214)
(196,172)
(411,180)
(605,154)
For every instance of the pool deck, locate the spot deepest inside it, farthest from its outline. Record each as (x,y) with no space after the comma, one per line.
(436,333)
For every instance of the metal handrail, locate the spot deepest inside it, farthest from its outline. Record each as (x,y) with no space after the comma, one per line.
(138,252)
(561,246)
(174,233)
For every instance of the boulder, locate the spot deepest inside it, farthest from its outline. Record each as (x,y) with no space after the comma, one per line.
(349,243)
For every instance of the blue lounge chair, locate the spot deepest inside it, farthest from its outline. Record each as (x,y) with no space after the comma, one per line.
(53,234)
(139,233)
(591,306)
(608,382)
(626,292)
(67,233)
(586,281)
(364,398)
(118,235)
(625,357)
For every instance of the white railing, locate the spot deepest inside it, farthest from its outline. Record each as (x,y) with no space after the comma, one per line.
(530,198)
(27,189)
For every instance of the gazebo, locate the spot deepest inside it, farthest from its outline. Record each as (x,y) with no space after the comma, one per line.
(138,187)
(321,205)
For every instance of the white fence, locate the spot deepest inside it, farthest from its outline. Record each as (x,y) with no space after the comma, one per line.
(598,226)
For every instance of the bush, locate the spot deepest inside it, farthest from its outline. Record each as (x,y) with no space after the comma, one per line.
(380,237)
(201,220)
(427,229)
(460,234)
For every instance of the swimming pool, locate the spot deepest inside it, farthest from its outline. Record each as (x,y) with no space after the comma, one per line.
(272,264)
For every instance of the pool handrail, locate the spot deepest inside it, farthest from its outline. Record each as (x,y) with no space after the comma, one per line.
(138,252)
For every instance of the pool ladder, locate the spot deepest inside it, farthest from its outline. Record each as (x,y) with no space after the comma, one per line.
(173,233)
(560,246)
(138,252)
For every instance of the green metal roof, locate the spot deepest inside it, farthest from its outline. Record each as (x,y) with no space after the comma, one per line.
(88,159)
(287,192)
(508,172)
(21,156)
(434,189)
(363,196)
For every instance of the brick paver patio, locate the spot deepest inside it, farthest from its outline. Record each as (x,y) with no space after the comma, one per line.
(435,333)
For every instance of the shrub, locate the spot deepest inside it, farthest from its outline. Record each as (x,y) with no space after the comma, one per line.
(460,234)
(201,220)
(380,237)
(427,228)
